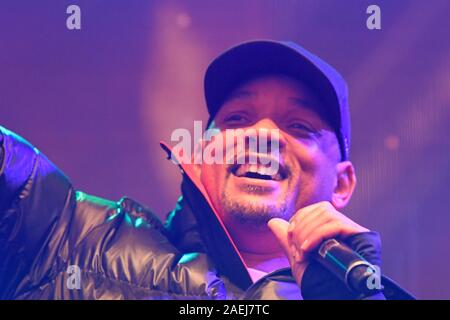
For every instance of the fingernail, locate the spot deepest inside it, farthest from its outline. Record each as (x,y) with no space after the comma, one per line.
(295,253)
(298,257)
(304,245)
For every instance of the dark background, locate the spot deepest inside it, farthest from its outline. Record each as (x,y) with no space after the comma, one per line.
(98,100)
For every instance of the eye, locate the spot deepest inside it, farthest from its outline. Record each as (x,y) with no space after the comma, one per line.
(301,129)
(236,119)
(300,126)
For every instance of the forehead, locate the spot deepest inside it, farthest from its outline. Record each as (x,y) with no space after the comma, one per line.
(281,91)
(280,84)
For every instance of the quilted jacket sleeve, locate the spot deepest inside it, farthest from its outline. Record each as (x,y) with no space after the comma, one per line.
(36,202)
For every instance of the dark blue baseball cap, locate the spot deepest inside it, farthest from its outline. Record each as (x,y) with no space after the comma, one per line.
(250,59)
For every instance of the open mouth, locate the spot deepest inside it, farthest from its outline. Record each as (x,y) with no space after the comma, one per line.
(258,171)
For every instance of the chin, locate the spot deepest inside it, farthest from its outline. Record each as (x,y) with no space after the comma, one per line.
(253,209)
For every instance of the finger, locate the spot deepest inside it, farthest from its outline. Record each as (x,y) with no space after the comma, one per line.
(298,222)
(327,231)
(309,213)
(316,205)
(302,216)
(305,229)
(279,228)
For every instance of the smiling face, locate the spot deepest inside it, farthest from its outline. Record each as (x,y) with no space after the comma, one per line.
(308,154)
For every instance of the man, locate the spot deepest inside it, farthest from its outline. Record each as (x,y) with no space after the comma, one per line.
(237,232)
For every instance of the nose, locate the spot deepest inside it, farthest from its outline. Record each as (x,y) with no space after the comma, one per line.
(274,133)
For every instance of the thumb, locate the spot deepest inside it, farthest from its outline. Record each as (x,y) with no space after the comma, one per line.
(297,259)
(279,228)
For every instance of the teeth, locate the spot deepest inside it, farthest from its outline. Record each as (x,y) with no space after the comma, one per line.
(262,170)
(257,168)
(241,170)
(269,171)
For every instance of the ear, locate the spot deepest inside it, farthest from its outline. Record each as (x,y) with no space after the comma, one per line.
(345,184)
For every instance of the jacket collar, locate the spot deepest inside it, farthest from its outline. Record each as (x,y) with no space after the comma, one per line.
(195,225)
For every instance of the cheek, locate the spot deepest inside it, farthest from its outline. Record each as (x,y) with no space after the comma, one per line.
(212,177)
(312,172)
(304,156)
(319,185)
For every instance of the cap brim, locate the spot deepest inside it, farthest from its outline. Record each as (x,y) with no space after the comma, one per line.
(248,60)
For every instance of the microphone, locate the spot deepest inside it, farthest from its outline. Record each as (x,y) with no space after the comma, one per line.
(359,275)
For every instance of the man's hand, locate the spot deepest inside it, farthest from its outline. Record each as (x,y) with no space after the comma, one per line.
(307,229)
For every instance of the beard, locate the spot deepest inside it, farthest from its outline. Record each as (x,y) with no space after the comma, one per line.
(255,215)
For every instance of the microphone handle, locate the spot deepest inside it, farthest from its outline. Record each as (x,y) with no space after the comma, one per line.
(348,266)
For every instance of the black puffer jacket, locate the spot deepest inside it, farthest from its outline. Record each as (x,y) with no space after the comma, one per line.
(120,250)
